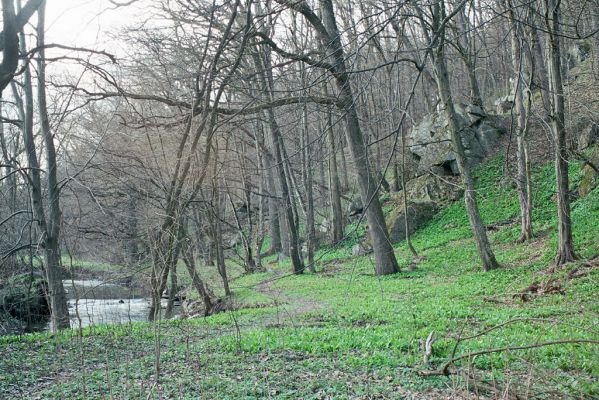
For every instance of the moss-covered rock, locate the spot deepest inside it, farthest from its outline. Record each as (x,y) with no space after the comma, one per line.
(24,297)
(430,140)
(419,213)
(441,190)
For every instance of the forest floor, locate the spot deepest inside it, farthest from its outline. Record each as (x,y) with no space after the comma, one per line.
(343,333)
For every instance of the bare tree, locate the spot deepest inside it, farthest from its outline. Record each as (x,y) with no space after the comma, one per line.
(327,31)
(552,14)
(51,230)
(9,37)
(523,183)
(436,37)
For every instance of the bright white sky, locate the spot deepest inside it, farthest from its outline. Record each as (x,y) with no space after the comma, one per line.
(88,23)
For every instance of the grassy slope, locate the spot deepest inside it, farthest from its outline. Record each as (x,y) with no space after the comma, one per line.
(345,333)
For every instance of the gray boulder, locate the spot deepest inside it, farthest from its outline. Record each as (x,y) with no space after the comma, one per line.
(589,135)
(503,105)
(430,141)
(432,188)
(360,249)
(355,207)
(577,53)
(325,226)
(419,214)
(589,176)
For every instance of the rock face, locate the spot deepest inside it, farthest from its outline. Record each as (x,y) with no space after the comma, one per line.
(355,207)
(430,141)
(325,226)
(589,135)
(361,249)
(419,213)
(577,54)
(590,177)
(504,104)
(436,189)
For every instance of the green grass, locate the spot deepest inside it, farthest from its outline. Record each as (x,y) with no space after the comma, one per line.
(345,333)
(94,267)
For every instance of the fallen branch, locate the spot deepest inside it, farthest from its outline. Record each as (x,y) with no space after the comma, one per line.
(428,347)
(445,369)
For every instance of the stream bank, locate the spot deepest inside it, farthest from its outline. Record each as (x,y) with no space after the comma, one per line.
(93,299)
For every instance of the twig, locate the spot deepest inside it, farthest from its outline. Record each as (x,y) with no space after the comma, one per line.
(445,369)
(428,347)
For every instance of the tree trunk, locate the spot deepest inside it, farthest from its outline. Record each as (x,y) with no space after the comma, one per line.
(249,264)
(274,227)
(132,244)
(196,280)
(58,298)
(198,284)
(9,180)
(49,225)
(56,293)
(322,159)
(468,54)
(292,237)
(405,199)
(396,176)
(344,168)
(308,182)
(565,251)
(385,261)
(246,238)
(522,175)
(334,184)
(475,96)
(294,188)
(259,239)
(218,239)
(172,293)
(263,64)
(478,228)
(537,57)
(165,257)
(596,48)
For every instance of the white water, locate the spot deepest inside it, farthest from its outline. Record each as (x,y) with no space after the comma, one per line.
(107,311)
(93,302)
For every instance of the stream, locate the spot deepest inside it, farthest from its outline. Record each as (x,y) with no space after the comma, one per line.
(94,302)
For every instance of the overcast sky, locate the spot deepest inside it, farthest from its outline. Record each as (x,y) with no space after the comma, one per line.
(88,23)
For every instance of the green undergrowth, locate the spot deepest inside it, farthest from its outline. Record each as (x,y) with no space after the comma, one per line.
(345,333)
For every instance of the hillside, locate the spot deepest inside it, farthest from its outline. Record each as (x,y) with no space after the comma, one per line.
(299,199)
(344,333)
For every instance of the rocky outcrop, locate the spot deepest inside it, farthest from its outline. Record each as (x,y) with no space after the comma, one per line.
(577,53)
(355,207)
(419,214)
(325,226)
(588,136)
(432,172)
(504,104)
(435,188)
(430,141)
(590,175)
(361,249)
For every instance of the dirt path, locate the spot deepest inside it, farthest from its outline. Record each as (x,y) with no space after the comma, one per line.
(288,307)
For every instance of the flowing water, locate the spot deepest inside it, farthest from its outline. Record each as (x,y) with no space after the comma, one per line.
(93,302)
(97,302)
